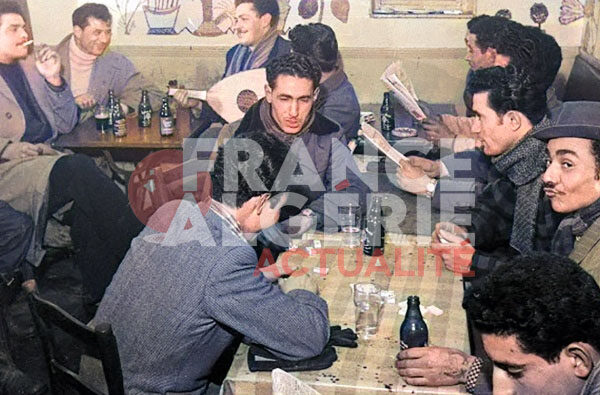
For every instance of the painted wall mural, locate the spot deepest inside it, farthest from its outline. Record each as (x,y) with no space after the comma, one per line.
(210,18)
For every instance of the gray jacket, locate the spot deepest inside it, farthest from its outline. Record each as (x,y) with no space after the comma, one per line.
(113,71)
(177,301)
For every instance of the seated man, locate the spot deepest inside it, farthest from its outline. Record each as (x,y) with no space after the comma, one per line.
(541,341)
(91,69)
(181,297)
(337,99)
(36,180)
(572,181)
(288,113)
(260,42)
(572,185)
(528,49)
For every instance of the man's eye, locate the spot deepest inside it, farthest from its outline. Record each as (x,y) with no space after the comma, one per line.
(567,165)
(515,373)
(548,162)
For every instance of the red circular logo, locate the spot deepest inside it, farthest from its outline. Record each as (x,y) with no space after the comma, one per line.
(159,179)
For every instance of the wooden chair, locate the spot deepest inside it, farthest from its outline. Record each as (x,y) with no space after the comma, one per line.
(99,341)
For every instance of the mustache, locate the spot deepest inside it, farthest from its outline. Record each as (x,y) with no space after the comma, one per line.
(549,185)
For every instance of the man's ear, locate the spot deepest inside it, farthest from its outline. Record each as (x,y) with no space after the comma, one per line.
(77,31)
(268,93)
(514,120)
(580,357)
(265,20)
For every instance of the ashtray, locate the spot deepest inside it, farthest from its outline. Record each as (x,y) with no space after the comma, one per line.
(404,132)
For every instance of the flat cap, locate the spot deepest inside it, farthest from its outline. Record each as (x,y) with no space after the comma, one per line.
(574,119)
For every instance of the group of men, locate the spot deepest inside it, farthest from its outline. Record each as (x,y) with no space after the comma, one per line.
(536,175)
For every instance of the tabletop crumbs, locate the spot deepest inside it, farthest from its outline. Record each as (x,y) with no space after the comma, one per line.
(388,386)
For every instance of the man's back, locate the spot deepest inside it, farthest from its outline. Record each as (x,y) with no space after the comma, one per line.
(174,308)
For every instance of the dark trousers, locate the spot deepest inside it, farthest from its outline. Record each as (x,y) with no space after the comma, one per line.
(103,224)
(15,237)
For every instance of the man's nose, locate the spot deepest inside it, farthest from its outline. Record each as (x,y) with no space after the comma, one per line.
(294,109)
(550,176)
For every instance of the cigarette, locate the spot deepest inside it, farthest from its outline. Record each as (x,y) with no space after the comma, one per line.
(27,43)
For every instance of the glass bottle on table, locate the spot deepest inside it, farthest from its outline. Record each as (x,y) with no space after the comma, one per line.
(374,232)
(167,126)
(110,107)
(119,121)
(144,111)
(387,116)
(413,331)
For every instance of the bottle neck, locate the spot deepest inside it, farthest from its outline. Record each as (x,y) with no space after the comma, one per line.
(413,309)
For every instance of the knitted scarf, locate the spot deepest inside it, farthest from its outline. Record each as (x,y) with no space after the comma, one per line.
(272,128)
(245,58)
(523,165)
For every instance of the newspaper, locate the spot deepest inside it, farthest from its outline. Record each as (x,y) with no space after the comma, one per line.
(398,82)
(377,139)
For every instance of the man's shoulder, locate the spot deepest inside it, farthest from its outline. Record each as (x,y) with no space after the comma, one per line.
(116,59)
(323,126)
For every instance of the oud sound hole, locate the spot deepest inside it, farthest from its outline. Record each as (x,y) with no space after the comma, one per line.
(246,99)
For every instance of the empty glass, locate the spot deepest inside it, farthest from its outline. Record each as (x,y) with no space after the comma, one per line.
(350,221)
(367,302)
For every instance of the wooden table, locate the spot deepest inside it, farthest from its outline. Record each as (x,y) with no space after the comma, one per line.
(138,142)
(370,367)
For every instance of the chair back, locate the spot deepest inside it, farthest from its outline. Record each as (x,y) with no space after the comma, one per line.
(99,342)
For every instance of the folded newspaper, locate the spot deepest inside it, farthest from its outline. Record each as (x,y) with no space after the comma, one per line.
(398,82)
(377,139)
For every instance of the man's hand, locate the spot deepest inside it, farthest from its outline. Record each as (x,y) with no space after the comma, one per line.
(450,242)
(85,101)
(435,129)
(48,64)
(300,279)
(430,167)
(181,96)
(21,149)
(412,179)
(433,366)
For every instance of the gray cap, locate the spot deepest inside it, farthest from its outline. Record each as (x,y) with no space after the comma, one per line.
(573,119)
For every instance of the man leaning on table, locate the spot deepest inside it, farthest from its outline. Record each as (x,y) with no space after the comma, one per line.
(91,69)
(181,297)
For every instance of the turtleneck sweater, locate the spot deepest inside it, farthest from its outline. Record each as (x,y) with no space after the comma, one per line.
(81,68)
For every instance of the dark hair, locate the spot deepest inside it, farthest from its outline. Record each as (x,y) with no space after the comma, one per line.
(545,300)
(264,7)
(272,161)
(94,10)
(10,7)
(596,153)
(510,89)
(486,28)
(296,65)
(318,41)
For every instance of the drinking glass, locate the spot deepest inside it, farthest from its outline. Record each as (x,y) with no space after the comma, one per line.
(350,221)
(367,302)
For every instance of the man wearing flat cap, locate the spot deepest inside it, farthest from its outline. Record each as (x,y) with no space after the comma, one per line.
(572,182)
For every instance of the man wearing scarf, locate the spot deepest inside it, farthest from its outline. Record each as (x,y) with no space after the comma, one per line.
(510,217)
(91,69)
(572,182)
(259,43)
(288,113)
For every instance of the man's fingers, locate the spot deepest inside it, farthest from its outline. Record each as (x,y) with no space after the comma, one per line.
(413,372)
(418,381)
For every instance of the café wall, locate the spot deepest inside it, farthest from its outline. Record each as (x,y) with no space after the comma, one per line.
(431,49)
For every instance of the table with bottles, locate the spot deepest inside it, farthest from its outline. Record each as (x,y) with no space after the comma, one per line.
(407,269)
